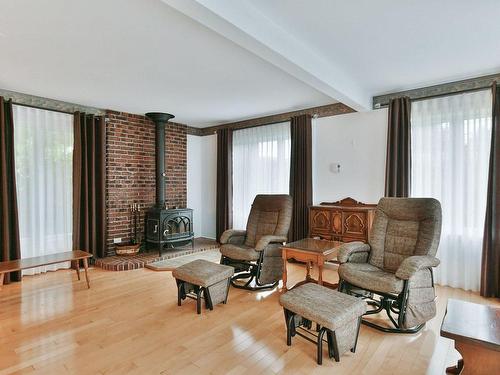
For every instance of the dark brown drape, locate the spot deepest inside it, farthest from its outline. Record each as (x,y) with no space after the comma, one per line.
(89,179)
(224,200)
(490,265)
(300,175)
(398,162)
(9,221)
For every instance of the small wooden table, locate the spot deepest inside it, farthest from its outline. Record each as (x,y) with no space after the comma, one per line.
(311,251)
(476,331)
(45,260)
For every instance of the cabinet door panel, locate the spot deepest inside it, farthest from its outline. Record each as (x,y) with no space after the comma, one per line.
(320,220)
(355,224)
(337,222)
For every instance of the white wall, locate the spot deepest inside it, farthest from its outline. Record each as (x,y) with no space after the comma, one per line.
(357,141)
(201,182)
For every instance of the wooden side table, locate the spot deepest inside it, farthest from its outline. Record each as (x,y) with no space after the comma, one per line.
(311,251)
(476,331)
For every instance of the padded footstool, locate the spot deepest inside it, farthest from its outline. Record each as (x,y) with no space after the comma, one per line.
(203,277)
(336,314)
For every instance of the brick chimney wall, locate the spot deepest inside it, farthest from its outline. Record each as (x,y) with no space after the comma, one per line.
(130,170)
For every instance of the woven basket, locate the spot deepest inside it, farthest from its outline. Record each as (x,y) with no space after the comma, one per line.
(127,249)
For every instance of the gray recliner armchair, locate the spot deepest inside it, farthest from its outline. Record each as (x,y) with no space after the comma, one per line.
(255,253)
(393,271)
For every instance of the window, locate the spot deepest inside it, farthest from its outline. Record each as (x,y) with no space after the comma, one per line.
(450,140)
(43,146)
(261,165)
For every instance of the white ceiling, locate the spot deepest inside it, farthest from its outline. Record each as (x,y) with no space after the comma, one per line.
(214,61)
(393,45)
(139,56)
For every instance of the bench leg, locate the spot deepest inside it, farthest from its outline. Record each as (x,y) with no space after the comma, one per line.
(86,267)
(77,269)
(2,275)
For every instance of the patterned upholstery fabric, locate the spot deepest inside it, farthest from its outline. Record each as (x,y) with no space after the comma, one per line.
(366,276)
(349,250)
(403,227)
(336,311)
(239,252)
(203,273)
(233,236)
(270,215)
(322,305)
(403,243)
(421,299)
(411,265)
(267,227)
(272,264)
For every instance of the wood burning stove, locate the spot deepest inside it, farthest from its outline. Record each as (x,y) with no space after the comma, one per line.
(165,227)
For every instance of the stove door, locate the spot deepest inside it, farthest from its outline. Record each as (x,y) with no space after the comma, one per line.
(153,230)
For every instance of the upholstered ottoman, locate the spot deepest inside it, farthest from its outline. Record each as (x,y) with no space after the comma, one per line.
(203,277)
(336,314)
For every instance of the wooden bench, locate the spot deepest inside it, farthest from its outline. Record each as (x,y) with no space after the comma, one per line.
(476,331)
(45,260)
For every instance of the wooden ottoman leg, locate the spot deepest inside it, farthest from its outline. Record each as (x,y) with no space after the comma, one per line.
(198,300)
(180,287)
(290,322)
(353,349)
(227,290)
(336,353)
(208,299)
(329,338)
(320,345)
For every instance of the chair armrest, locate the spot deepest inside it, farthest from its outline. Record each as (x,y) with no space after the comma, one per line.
(350,248)
(411,265)
(231,234)
(266,240)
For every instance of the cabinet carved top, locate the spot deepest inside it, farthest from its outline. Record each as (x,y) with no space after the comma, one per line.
(347,202)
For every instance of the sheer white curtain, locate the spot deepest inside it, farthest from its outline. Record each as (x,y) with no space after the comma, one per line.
(43,146)
(450,140)
(261,165)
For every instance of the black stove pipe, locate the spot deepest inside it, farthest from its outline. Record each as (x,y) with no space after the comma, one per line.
(160,119)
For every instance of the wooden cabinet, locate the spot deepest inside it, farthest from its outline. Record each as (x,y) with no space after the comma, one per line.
(346,220)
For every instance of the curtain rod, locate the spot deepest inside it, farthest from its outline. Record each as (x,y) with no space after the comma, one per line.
(450,94)
(39,107)
(53,110)
(433,96)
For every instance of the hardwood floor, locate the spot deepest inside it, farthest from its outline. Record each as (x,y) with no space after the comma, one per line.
(129,322)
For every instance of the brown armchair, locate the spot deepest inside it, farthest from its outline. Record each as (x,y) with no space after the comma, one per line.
(255,253)
(393,272)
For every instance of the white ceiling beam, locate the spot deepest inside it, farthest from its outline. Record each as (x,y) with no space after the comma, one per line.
(240,22)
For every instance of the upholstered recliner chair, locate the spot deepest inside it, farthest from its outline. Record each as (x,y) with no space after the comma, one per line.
(255,253)
(393,271)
